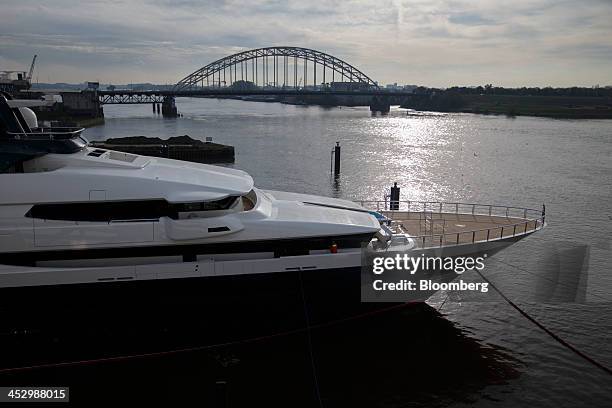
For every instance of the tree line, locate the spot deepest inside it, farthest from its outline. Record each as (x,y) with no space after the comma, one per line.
(490,89)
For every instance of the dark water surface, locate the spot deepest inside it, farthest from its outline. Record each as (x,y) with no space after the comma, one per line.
(478,351)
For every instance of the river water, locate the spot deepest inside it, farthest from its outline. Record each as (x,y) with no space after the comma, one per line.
(561,276)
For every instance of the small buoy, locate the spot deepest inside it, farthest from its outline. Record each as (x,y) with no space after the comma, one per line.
(333,248)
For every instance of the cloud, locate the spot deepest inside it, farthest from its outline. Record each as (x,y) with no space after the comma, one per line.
(440,43)
(469,19)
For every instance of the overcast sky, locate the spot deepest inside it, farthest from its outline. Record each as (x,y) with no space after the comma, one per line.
(432,43)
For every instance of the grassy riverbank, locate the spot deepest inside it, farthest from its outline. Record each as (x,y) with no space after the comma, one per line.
(563,107)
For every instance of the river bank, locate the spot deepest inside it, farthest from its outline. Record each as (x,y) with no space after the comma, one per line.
(559,107)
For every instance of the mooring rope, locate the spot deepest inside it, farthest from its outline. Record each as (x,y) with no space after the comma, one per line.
(443,302)
(545,329)
(550,280)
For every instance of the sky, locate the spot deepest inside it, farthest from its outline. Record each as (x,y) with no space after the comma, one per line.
(432,43)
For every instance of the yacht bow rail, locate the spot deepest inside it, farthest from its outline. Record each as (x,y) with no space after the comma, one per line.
(50,133)
(502,221)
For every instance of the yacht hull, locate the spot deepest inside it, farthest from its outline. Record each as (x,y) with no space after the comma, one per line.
(54,323)
(49,324)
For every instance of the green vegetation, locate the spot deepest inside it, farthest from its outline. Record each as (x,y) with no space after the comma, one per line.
(570,103)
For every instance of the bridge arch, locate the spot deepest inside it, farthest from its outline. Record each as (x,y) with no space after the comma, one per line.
(277,67)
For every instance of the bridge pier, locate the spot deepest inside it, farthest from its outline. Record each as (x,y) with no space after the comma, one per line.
(380,104)
(169,107)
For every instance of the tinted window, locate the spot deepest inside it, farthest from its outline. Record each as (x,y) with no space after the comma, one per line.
(122,210)
(102,211)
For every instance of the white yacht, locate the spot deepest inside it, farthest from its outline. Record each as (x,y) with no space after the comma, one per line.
(73,214)
(83,227)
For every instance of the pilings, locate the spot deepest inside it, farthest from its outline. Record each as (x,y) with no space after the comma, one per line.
(336,159)
(394,197)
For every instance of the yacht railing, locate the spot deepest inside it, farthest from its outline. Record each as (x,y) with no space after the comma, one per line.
(49,133)
(531,220)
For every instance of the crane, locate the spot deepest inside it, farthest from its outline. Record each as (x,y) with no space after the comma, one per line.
(29,77)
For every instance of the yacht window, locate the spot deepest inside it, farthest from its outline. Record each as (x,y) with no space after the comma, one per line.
(96,153)
(223,204)
(125,157)
(102,211)
(218,229)
(123,210)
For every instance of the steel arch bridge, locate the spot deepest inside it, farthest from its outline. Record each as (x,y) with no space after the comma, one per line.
(277,67)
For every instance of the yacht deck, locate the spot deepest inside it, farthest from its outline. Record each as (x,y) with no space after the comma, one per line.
(443,224)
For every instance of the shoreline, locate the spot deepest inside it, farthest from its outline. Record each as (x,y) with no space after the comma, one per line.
(555,107)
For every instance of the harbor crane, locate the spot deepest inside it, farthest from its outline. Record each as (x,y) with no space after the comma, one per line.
(15,81)
(29,77)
